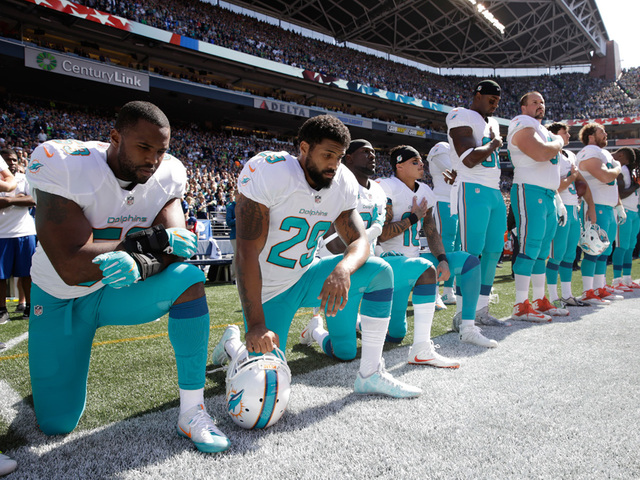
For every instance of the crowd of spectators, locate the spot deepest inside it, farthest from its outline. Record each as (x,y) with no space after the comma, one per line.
(629,82)
(213,160)
(568,96)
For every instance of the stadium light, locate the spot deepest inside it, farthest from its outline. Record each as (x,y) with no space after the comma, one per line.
(484,11)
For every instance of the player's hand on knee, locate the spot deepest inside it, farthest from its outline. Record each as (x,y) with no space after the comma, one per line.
(261,340)
(442,271)
(119,269)
(182,242)
(335,292)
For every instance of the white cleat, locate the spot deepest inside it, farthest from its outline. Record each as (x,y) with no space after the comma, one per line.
(382,383)
(219,355)
(198,425)
(306,337)
(472,335)
(425,354)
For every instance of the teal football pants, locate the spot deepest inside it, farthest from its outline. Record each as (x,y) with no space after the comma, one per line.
(61,332)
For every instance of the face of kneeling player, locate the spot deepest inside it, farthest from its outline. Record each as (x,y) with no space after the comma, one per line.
(139,150)
(321,162)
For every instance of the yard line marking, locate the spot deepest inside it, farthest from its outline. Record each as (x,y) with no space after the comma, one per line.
(24,336)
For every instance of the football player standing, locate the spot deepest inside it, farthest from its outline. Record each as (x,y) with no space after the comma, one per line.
(565,241)
(536,205)
(474,136)
(601,171)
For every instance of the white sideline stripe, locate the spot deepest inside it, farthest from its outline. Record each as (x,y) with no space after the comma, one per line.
(14,341)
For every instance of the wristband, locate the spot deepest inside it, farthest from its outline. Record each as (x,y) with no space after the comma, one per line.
(413,218)
(442,257)
(149,240)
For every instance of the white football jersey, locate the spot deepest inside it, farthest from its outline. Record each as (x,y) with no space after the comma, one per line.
(526,169)
(486,173)
(401,198)
(3,165)
(298,214)
(79,172)
(439,160)
(569,195)
(602,193)
(16,221)
(631,201)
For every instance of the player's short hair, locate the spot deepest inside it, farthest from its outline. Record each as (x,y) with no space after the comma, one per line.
(587,130)
(131,112)
(525,98)
(324,127)
(555,127)
(629,153)
(6,152)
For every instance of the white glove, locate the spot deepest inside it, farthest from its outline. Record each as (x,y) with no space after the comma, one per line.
(621,215)
(374,232)
(561,211)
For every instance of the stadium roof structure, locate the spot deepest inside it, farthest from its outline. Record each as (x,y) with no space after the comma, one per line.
(456,33)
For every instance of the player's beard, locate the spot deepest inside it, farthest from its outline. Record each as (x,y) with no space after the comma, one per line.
(317,177)
(128,171)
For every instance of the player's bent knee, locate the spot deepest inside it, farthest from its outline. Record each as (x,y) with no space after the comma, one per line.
(60,425)
(427,277)
(181,276)
(344,354)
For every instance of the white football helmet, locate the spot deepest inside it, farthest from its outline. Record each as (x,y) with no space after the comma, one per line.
(258,389)
(593,239)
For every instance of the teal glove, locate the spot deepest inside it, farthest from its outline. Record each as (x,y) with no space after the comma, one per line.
(182,242)
(119,269)
(391,253)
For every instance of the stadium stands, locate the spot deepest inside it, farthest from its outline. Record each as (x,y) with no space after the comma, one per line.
(568,95)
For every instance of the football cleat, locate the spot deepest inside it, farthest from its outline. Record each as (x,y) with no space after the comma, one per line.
(20,307)
(306,337)
(612,289)
(4,317)
(219,355)
(605,294)
(198,425)
(440,304)
(27,311)
(472,334)
(455,322)
(381,382)
(571,302)
(425,354)
(543,305)
(622,288)
(485,319)
(524,311)
(633,285)
(591,298)
(7,465)
(449,298)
